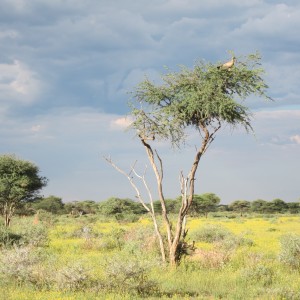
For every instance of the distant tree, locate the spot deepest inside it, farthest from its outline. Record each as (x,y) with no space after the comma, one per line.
(78,208)
(293,207)
(172,206)
(259,206)
(119,207)
(240,206)
(277,206)
(20,182)
(205,203)
(51,204)
(88,206)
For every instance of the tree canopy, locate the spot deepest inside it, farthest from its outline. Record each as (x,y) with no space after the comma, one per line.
(205,96)
(19,182)
(204,203)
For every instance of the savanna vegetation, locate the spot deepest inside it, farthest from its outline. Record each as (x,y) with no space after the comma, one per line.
(96,256)
(191,247)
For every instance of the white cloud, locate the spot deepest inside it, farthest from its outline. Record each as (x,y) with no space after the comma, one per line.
(121,123)
(277,127)
(295,139)
(277,114)
(18,83)
(36,128)
(8,34)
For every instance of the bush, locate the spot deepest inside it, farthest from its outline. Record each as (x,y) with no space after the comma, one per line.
(284,293)
(212,259)
(258,273)
(290,250)
(8,238)
(128,276)
(211,233)
(72,278)
(18,264)
(141,239)
(231,242)
(35,235)
(112,240)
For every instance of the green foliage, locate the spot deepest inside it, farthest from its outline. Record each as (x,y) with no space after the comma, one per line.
(121,208)
(204,95)
(293,207)
(73,277)
(259,205)
(18,264)
(172,206)
(203,204)
(290,250)
(34,235)
(211,233)
(112,240)
(78,208)
(125,275)
(277,206)
(8,238)
(258,273)
(240,206)
(19,183)
(51,204)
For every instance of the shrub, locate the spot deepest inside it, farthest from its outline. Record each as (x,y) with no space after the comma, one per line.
(212,259)
(141,239)
(74,277)
(18,264)
(35,235)
(211,233)
(231,242)
(290,250)
(8,238)
(112,240)
(128,276)
(284,293)
(46,217)
(258,273)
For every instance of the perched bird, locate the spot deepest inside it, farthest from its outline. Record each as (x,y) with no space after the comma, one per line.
(228,65)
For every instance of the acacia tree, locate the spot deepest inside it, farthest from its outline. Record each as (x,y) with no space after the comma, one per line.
(240,206)
(204,98)
(204,203)
(19,183)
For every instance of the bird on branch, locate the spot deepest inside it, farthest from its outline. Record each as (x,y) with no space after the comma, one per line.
(228,65)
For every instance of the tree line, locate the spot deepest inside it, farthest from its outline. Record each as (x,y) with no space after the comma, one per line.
(20,183)
(125,208)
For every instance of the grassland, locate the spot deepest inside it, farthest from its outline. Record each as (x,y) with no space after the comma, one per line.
(88,257)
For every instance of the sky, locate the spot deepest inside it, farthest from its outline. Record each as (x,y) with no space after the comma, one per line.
(67,67)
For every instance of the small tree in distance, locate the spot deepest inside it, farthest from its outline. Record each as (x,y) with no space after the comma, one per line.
(204,98)
(19,183)
(204,203)
(240,206)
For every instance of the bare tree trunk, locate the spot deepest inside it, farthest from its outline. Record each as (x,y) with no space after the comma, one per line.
(150,210)
(7,212)
(7,220)
(187,192)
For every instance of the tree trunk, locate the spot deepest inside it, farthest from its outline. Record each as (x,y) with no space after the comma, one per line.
(7,220)
(187,191)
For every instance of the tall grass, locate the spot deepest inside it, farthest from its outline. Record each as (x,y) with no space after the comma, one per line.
(93,258)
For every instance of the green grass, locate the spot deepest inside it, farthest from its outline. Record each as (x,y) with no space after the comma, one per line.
(84,256)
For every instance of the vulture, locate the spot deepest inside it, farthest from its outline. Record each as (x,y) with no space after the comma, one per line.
(228,65)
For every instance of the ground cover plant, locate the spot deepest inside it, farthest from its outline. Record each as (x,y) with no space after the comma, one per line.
(89,257)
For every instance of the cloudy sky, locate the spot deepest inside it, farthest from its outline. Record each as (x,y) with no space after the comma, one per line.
(66,67)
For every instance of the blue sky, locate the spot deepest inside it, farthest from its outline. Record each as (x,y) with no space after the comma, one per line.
(66,68)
